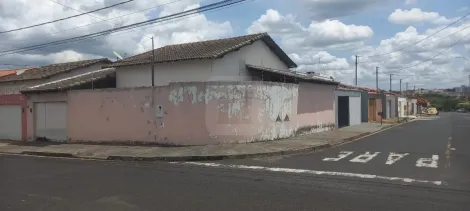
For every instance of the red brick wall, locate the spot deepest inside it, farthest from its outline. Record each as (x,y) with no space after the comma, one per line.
(17,99)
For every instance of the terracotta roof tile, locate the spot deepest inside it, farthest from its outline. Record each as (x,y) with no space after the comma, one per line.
(13,71)
(50,70)
(211,49)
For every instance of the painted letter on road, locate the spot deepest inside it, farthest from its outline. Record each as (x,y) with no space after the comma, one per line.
(428,162)
(394,157)
(364,158)
(341,155)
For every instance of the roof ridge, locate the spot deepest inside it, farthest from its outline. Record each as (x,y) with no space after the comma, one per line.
(86,60)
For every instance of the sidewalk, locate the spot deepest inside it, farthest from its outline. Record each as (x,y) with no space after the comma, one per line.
(210,152)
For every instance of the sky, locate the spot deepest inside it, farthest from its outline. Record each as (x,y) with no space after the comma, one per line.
(323,36)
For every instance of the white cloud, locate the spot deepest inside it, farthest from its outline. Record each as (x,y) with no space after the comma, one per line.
(415,16)
(331,34)
(20,13)
(444,68)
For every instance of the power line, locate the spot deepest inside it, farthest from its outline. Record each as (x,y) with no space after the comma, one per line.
(109,19)
(201,9)
(409,52)
(430,59)
(429,36)
(61,19)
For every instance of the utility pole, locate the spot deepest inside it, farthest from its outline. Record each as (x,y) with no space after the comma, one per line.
(377,78)
(391,83)
(414,90)
(400,88)
(355,81)
(406,92)
(153,64)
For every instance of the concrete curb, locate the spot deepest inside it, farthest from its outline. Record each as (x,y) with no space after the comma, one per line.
(219,157)
(208,157)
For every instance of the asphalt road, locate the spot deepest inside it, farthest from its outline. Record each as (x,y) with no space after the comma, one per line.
(34,183)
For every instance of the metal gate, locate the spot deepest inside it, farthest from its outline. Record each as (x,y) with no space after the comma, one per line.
(354,110)
(343,111)
(50,121)
(10,122)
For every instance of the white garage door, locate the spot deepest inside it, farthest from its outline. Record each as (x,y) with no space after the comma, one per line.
(51,121)
(354,110)
(10,122)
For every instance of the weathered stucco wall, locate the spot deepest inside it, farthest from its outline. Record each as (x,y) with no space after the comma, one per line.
(316,107)
(185,113)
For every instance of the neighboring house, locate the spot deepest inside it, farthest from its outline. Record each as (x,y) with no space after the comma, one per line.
(13,105)
(348,107)
(376,107)
(391,106)
(412,107)
(49,102)
(243,58)
(351,105)
(402,107)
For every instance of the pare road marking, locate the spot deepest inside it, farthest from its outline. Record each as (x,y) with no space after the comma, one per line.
(341,155)
(428,162)
(392,158)
(364,158)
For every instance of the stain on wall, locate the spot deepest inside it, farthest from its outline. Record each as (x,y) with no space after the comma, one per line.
(198,113)
(191,113)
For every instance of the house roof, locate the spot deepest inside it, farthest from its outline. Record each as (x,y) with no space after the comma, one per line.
(71,82)
(13,71)
(211,49)
(294,75)
(50,70)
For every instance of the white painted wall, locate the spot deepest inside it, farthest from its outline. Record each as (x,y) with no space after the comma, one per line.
(231,67)
(354,110)
(259,54)
(401,106)
(165,73)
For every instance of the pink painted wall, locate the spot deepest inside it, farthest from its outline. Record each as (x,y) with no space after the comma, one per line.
(191,113)
(315,105)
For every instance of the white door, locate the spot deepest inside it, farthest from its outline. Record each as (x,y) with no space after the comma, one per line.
(10,122)
(51,121)
(354,110)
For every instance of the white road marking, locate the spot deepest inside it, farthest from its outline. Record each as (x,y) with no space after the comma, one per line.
(313,172)
(341,155)
(428,162)
(364,158)
(394,157)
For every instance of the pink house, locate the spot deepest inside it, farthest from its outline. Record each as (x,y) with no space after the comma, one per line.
(14,110)
(232,90)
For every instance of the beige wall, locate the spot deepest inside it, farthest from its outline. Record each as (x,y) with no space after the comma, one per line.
(192,113)
(231,67)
